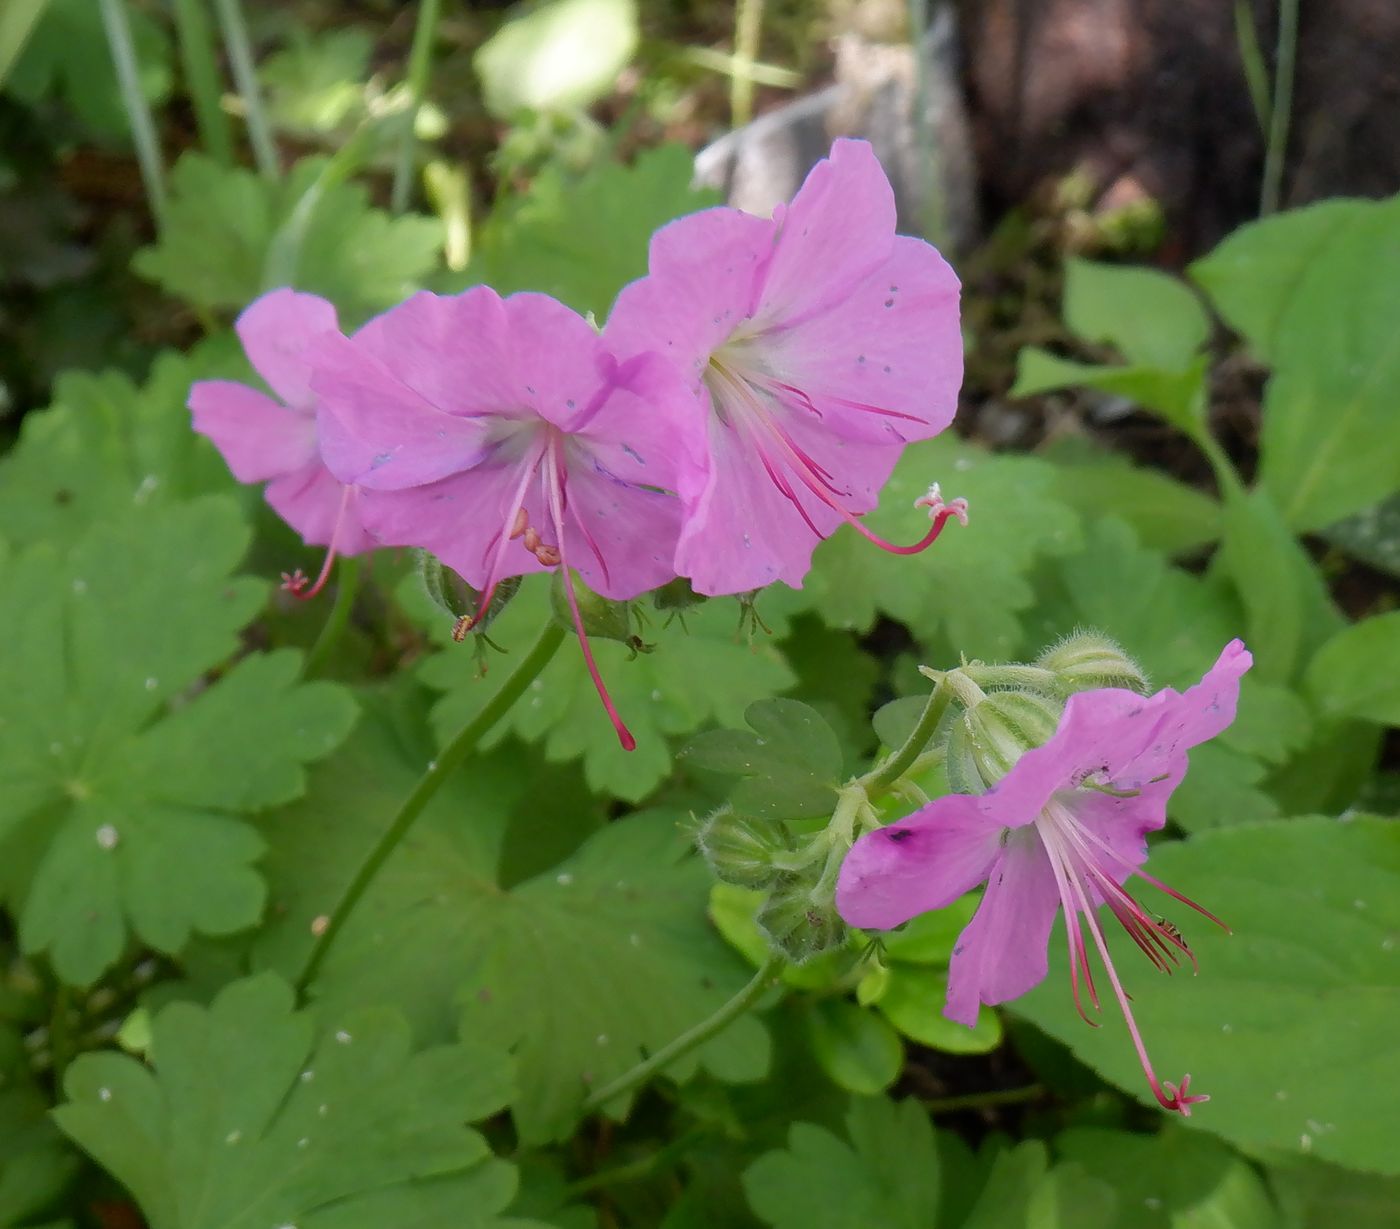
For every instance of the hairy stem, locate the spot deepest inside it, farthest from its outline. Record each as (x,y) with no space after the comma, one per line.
(450,757)
(690,1039)
(896,765)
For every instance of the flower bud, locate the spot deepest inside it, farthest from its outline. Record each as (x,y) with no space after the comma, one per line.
(1088,659)
(740,849)
(987,739)
(796,925)
(457,599)
(602,618)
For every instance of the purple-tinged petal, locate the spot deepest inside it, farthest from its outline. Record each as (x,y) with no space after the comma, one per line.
(311,501)
(258,437)
(380,434)
(461,520)
(559,366)
(619,537)
(454,351)
(885,362)
(275,331)
(838,229)
(705,272)
(920,863)
(1003,951)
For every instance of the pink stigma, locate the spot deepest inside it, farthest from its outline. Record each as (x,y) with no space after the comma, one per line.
(295,582)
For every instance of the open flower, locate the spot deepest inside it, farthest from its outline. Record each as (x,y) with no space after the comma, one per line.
(266,440)
(816,344)
(502,436)
(1062,829)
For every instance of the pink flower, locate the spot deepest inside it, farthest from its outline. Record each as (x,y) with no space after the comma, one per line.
(272,441)
(503,436)
(1062,830)
(816,345)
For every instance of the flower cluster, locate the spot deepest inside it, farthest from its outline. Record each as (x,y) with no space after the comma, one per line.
(748,396)
(1052,819)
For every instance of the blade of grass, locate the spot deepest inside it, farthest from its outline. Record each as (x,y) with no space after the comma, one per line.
(1256,75)
(245,77)
(1285,58)
(138,113)
(748,28)
(196,37)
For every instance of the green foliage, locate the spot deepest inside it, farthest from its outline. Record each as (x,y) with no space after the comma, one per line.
(701,670)
(123,774)
(257,1114)
(560,55)
(1314,906)
(220,248)
(583,240)
(1353,674)
(36,1166)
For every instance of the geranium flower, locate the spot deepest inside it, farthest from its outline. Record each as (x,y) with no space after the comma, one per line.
(1063,829)
(816,344)
(501,435)
(266,440)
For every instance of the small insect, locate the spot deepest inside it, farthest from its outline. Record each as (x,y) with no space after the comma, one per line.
(1172,932)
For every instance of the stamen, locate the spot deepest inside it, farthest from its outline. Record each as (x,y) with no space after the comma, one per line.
(295,584)
(556,508)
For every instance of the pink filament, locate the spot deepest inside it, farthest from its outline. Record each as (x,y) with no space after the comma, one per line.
(296,584)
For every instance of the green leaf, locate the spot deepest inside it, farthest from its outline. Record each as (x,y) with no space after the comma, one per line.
(856,1048)
(1173,1180)
(913,1002)
(1165,514)
(929,938)
(970,587)
(558,56)
(1353,674)
(1317,293)
(1222,788)
(1288,610)
(67,54)
(790,763)
(699,672)
(121,776)
(1318,1196)
(1314,905)
(256,1114)
(583,240)
(578,969)
(1015,1177)
(317,82)
(835,676)
(221,223)
(887,1174)
(36,1164)
(1254,276)
(1154,319)
(1178,396)
(1373,536)
(107,447)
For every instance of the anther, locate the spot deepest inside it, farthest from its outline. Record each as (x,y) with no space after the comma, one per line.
(521,525)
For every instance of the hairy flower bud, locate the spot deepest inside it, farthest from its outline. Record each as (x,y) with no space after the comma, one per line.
(989,737)
(798,926)
(457,599)
(1088,659)
(601,617)
(740,849)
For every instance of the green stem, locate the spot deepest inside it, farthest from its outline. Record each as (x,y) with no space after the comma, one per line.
(339,617)
(245,77)
(688,1040)
(895,766)
(452,755)
(748,27)
(138,114)
(1280,112)
(983,1100)
(60,1034)
(1227,477)
(633,1171)
(196,38)
(420,58)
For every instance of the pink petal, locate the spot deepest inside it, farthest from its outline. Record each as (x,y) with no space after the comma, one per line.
(916,864)
(1003,951)
(838,229)
(705,272)
(311,501)
(275,331)
(377,432)
(558,363)
(883,363)
(461,520)
(454,351)
(256,436)
(634,530)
